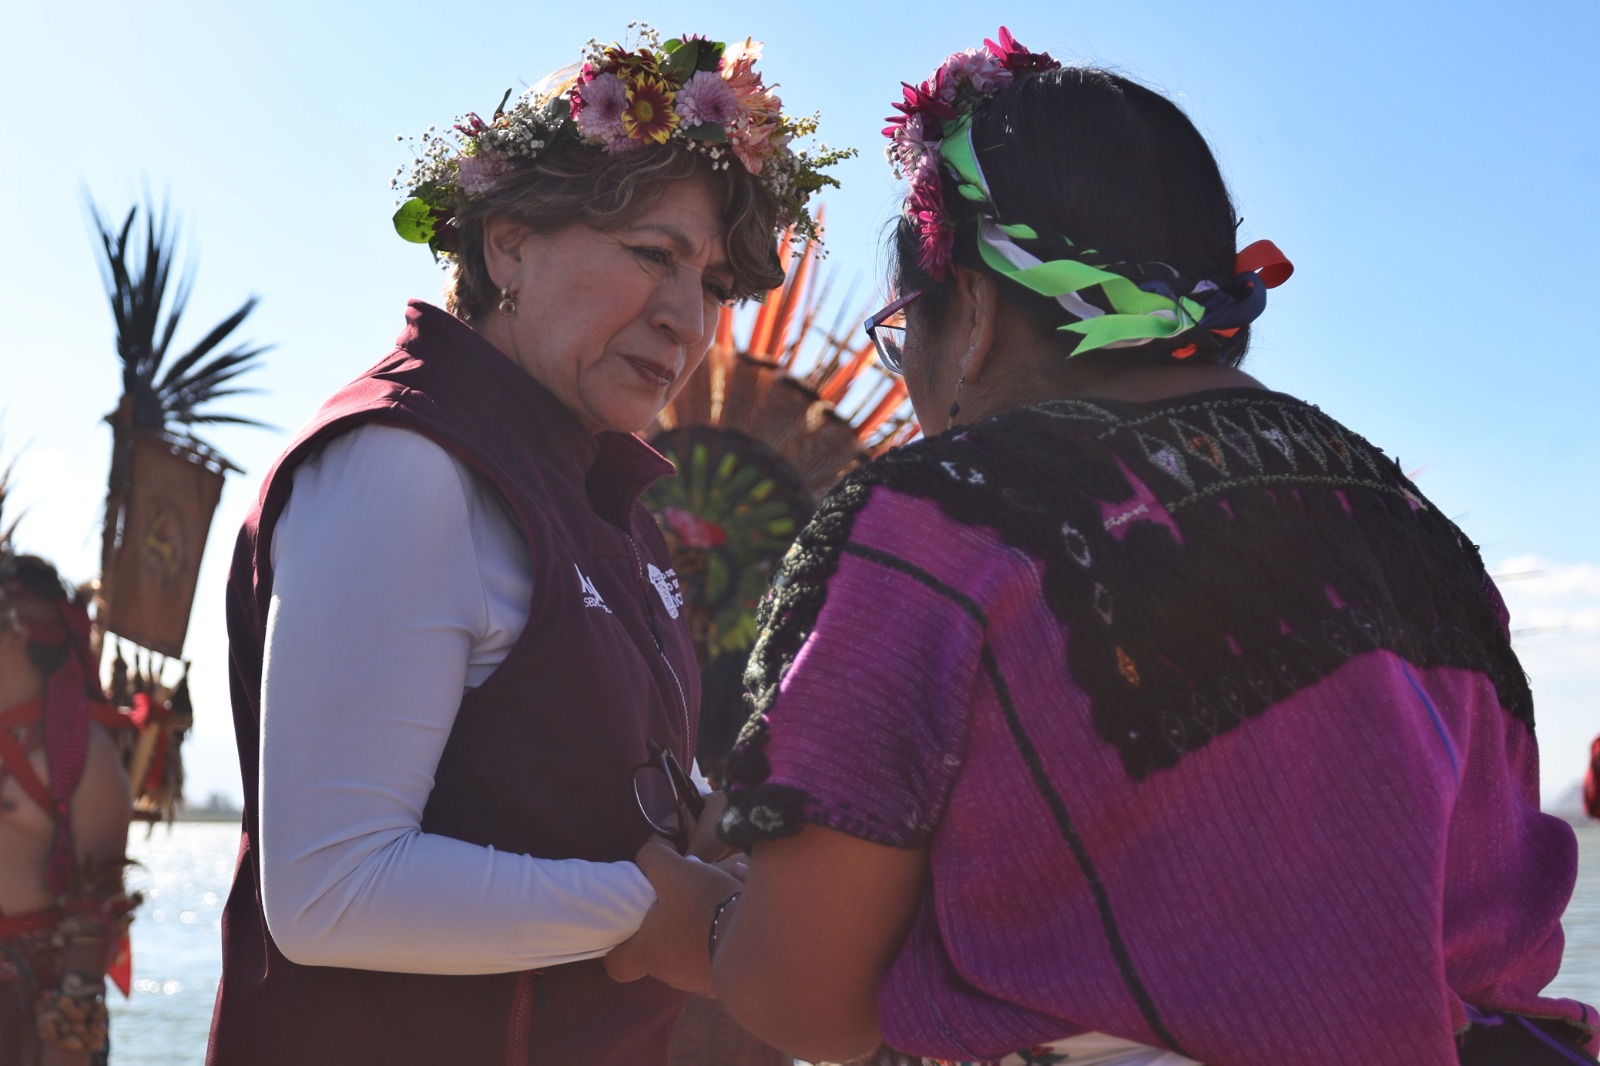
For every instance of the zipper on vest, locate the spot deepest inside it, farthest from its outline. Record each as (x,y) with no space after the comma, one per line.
(655,627)
(647,590)
(526,995)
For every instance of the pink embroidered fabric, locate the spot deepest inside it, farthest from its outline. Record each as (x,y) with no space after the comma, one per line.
(1329,882)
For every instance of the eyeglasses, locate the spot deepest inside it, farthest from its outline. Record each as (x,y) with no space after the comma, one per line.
(887,329)
(665,792)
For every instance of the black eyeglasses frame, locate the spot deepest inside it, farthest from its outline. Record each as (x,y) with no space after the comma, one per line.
(685,794)
(889,352)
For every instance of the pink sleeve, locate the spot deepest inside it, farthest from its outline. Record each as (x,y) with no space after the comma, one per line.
(868,732)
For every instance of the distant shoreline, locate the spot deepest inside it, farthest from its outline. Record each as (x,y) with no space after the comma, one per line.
(206,815)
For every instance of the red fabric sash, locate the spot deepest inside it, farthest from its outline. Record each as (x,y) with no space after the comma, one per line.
(15,925)
(14,753)
(119,963)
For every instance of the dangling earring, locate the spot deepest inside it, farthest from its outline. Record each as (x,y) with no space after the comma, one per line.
(955,404)
(508,301)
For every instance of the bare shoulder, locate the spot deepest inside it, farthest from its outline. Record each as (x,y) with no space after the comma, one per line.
(102,805)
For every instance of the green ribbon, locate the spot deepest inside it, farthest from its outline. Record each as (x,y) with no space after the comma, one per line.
(956,149)
(1135,313)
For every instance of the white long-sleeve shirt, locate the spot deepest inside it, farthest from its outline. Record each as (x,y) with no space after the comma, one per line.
(399,584)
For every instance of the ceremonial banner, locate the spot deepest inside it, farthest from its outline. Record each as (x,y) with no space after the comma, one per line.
(172,492)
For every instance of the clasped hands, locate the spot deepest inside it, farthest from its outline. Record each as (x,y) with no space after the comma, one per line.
(671,944)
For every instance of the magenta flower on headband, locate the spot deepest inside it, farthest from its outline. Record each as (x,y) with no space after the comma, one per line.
(925,208)
(1017,59)
(926,99)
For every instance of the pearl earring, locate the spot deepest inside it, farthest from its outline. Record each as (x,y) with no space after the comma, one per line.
(955,404)
(508,301)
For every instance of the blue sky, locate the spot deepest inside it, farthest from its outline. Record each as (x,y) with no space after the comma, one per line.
(1431,168)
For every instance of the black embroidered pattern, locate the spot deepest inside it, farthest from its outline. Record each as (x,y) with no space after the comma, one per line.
(756,810)
(1210,556)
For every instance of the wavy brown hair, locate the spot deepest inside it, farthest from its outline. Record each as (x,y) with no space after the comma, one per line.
(584,184)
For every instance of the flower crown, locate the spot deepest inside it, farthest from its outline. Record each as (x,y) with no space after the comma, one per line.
(704,94)
(929,113)
(1113,304)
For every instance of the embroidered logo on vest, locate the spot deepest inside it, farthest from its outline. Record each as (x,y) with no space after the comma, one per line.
(591,595)
(666,587)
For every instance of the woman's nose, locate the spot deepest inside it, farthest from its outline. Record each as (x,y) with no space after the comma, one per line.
(680,308)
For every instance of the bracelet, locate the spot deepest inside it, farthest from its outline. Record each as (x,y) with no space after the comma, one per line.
(716,918)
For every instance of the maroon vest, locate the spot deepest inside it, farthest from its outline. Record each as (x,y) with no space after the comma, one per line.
(539,758)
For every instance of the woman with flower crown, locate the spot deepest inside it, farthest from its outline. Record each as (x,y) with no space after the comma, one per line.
(456,638)
(1192,731)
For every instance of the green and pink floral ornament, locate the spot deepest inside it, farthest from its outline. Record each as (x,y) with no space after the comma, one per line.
(931,143)
(704,94)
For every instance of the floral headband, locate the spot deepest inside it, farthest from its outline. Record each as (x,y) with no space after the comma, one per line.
(703,94)
(931,142)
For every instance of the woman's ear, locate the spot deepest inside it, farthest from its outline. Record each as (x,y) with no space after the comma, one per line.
(503,240)
(978,298)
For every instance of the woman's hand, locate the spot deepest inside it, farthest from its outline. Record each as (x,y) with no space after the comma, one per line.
(703,840)
(671,944)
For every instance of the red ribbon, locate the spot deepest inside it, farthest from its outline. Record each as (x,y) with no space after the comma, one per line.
(1264,258)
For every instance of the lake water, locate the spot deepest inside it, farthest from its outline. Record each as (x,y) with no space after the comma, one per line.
(187,868)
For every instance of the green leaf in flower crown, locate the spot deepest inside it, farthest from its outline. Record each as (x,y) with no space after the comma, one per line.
(680,58)
(414,221)
(684,58)
(709,132)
